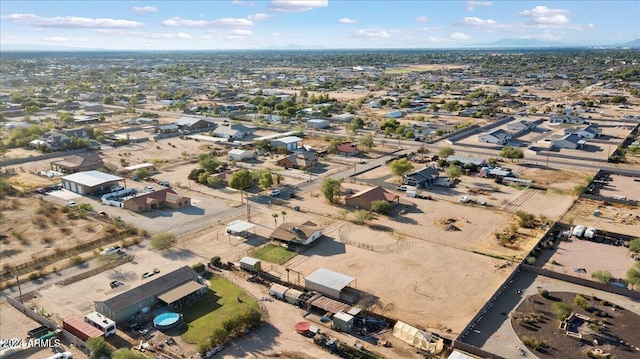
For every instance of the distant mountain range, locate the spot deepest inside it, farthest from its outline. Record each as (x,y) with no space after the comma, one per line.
(503,43)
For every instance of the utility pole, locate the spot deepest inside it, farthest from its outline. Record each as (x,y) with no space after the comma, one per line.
(248,209)
(19,289)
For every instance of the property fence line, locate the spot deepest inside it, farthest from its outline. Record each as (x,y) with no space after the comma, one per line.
(94,271)
(18,161)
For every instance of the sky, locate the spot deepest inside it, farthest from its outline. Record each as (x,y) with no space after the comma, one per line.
(330,24)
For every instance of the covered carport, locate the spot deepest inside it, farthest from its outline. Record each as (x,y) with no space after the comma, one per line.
(241,228)
(183,294)
(328,282)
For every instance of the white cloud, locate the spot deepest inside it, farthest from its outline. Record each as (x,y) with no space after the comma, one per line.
(460,36)
(422,19)
(296,5)
(346,20)
(276,34)
(241,32)
(169,36)
(471,5)
(244,3)
(63,39)
(476,21)
(120,32)
(145,9)
(224,22)
(377,33)
(71,21)
(545,15)
(542,37)
(258,17)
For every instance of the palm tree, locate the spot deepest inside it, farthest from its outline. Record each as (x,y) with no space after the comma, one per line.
(275,218)
(283,213)
(278,178)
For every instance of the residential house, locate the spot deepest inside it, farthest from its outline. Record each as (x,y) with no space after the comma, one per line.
(297,233)
(289,143)
(521,126)
(587,131)
(93,107)
(78,163)
(393,114)
(232,132)
(12,110)
(59,139)
(299,160)
(572,119)
(165,197)
(422,178)
(194,124)
(347,149)
(85,119)
(167,129)
(363,199)
(147,121)
(570,141)
(68,106)
(464,160)
(499,137)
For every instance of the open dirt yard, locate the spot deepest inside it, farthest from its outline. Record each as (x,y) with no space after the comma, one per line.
(16,325)
(614,218)
(592,256)
(34,227)
(621,187)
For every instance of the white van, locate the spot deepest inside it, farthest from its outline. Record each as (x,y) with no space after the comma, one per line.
(590,232)
(578,230)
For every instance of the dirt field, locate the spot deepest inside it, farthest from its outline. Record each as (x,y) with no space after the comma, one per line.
(622,186)
(591,256)
(35,227)
(16,325)
(613,218)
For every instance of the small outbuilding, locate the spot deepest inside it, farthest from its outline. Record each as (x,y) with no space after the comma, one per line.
(294,296)
(277,291)
(250,264)
(239,155)
(318,123)
(289,143)
(343,322)
(240,228)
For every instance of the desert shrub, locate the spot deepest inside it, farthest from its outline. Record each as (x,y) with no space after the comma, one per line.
(34,276)
(561,310)
(531,260)
(162,241)
(525,219)
(581,302)
(77,260)
(382,207)
(66,230)
(198,267)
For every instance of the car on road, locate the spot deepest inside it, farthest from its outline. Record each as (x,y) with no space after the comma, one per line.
(275,193)
(402,188)
(115,284)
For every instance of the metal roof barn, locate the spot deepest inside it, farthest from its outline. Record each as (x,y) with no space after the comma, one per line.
(328,282)
(92,178)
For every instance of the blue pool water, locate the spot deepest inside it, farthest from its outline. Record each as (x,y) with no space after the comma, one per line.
(165,320)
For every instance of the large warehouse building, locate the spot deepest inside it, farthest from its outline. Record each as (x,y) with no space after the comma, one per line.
(90,182)
(173,289)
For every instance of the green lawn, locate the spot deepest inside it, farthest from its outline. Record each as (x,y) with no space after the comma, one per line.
(219,304)
(274,254)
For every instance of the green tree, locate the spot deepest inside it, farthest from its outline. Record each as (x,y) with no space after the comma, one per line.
(453,171)
(511,152)
(331,190)
(446,152)
(265,181)
(634,245)
(162,241)
(619,99)
(141,173)
(241,180)
(98,347)
(207,162)
(561,310)
(214,181)
(602,276)
(381,206)
(633,275)
(278,178)
(367,141)
(362,216)
(400,167)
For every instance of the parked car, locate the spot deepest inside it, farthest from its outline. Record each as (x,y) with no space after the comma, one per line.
(149,189)
(274,193)
(147,274)
(116,283)
(164,183)
(63,355)
(578,230)
(110,250)
(116,188)
(402,188)
(71,204)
